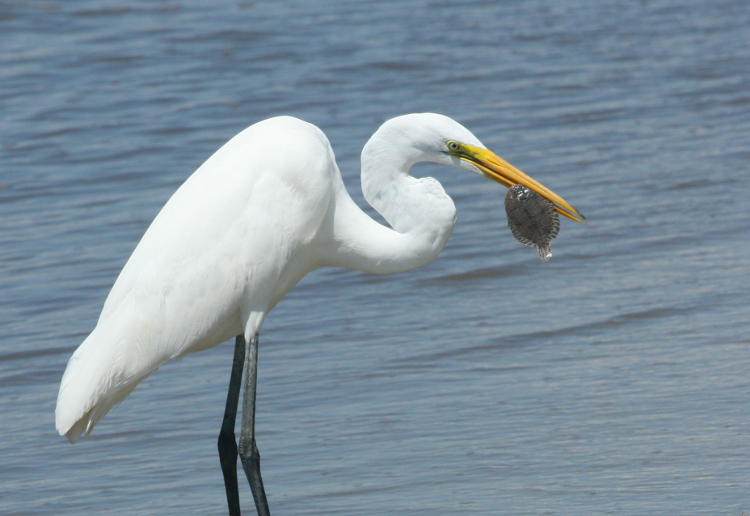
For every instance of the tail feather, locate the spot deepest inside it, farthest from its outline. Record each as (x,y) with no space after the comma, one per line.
(94,381)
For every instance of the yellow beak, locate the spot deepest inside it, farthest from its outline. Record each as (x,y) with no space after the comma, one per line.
(497,169)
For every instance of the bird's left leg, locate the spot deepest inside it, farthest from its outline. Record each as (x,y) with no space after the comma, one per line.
(226,442)
(248,449)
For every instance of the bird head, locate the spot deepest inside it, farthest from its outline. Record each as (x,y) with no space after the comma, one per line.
(445,141)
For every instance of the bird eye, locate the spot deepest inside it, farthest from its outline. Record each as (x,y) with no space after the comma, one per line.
(453,146)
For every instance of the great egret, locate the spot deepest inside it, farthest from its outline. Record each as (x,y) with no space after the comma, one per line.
(267,208)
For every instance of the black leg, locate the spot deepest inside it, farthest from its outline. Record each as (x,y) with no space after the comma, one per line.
(248,449)
(227,445)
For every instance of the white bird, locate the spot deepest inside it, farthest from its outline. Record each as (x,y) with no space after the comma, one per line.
(264,210)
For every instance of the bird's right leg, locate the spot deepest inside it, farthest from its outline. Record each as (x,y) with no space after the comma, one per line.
(248,449)
(227,444)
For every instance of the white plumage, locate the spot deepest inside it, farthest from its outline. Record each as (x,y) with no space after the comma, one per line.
(267,208)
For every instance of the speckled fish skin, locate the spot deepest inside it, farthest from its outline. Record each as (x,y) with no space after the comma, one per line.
(532,219)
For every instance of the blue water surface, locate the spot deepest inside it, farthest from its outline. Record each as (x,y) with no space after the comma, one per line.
(611,380)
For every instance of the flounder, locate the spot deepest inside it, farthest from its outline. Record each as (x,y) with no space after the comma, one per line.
(532,219)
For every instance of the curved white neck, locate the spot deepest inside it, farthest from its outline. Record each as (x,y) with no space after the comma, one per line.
(419,211)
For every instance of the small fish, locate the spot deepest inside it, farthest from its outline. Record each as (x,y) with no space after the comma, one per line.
(532,219)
